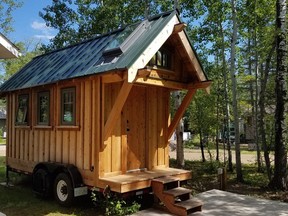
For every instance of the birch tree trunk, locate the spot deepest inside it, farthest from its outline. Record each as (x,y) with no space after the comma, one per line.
(262,130)
(226,101)
(234,94)
(279,180)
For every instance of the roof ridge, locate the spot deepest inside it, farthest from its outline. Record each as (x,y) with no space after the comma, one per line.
(167,13)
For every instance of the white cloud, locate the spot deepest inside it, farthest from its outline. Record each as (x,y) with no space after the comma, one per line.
(44,32)
(45,37)
(39,26)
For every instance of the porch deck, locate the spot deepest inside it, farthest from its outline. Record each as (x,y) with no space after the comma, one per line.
(141,179)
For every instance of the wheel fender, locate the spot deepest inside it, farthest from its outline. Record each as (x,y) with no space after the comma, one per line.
(55,168)
(75,175)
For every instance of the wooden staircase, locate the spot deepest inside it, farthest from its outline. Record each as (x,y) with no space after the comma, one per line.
(176,199)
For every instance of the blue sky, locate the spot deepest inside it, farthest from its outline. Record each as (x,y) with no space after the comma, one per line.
(28,25)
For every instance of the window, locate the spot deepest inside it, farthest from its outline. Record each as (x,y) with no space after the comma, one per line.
(43,108)
(162,59)
(68,106)
(22,109)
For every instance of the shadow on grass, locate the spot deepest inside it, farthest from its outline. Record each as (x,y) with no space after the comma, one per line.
(20,200)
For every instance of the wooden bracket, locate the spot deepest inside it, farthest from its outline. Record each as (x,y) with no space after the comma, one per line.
(117,108)
(201,85)
(178,115)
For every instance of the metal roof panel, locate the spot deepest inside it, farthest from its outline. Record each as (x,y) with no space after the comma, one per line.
(86,58)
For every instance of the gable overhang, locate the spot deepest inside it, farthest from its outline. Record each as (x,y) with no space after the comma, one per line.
(7,49)
(173,28)
(152,48)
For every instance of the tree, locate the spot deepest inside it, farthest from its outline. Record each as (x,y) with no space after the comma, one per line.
(262,129)
(11,66)
(279,180)
(179,132)
(257,67)
(6,18)
(234,93)
(81,19)
(203,118)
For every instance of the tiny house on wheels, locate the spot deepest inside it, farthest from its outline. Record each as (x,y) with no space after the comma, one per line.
(96,114)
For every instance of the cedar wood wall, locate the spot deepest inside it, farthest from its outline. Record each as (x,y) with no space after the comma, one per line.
(139,139)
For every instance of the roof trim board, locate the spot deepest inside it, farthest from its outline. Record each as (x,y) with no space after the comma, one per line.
(192,56)
(152,48)
(8,49)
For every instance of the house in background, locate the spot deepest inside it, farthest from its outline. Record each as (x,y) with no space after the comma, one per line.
(96,114)
(3,121)
(7,51)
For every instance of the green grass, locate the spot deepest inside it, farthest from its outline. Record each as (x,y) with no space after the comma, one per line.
(20,200)
(2,141)
(205,177)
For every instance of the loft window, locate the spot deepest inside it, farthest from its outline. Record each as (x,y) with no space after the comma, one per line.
(161,59)
(22,109)
(68,106)
(43,108)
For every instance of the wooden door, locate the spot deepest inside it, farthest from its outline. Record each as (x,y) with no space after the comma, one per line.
(135,115)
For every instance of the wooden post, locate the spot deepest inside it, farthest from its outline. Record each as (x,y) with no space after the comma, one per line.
(222,178)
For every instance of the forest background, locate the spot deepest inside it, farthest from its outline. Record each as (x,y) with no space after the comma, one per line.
(243,50)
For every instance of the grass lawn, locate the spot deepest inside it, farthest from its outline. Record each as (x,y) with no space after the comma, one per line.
(204,178)
(20,200)
(2,141)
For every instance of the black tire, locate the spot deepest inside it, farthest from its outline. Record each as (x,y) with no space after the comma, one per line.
(63,190)
(42,183)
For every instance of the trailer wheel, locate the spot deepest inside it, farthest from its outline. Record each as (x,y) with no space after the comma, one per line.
(63,190)
(42,183)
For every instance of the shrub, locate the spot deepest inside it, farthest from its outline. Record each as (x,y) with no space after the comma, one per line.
(112,204)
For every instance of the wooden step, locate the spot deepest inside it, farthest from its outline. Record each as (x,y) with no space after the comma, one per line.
(161,184)
(166,180)
(176,199)
(176,192)
(190,205)
(176,195)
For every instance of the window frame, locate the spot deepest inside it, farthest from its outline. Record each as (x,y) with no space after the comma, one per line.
(39,94)
(162,56)
(26,110)
(62,105)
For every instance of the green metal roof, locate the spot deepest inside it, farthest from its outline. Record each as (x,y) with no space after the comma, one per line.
(93,56)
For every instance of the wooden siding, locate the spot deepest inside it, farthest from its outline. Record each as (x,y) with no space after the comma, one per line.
(29,145)
(138,141)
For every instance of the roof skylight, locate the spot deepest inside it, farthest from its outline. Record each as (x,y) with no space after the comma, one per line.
(125,39)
